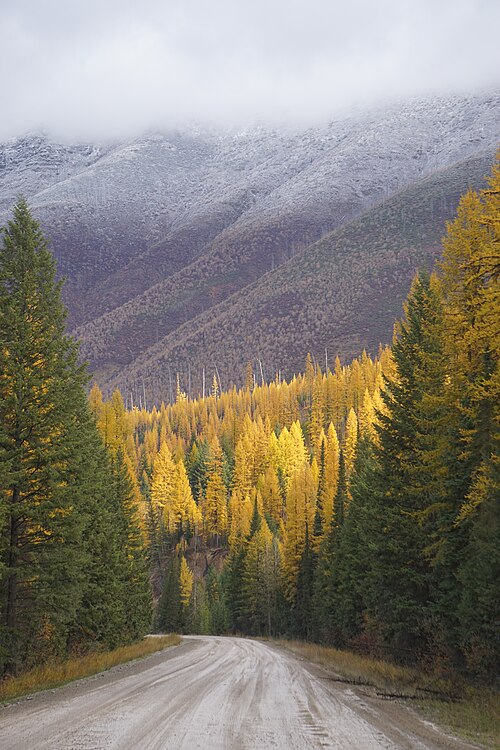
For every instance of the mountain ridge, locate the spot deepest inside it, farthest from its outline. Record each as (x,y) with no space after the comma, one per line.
(155,232)
(300,315)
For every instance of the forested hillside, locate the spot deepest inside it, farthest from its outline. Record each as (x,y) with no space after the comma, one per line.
(173,244)
(342,294)
(357,506)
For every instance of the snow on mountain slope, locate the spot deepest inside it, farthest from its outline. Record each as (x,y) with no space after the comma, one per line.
(32,163)
(152,233)
(342,294)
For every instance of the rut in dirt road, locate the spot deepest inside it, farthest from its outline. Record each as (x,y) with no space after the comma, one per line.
(215,693)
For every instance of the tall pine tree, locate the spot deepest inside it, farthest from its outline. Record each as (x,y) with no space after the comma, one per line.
(69,547)
(43,418)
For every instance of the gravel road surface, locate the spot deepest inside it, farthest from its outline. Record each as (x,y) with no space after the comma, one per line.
(216,693)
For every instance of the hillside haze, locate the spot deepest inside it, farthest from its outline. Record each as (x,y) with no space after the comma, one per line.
(196,249)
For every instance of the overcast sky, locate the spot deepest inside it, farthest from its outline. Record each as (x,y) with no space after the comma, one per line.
(112,68)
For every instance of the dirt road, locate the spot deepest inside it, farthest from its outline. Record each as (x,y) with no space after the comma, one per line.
(215,693)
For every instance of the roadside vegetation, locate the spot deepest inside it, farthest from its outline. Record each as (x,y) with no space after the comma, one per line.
(467,710)
(59,673)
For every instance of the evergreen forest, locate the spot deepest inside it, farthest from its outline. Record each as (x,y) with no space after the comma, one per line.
(356,505)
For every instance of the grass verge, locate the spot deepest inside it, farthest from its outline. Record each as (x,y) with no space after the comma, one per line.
(59,673)
(467,710)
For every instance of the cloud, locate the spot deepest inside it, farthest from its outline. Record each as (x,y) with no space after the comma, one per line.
(99,69)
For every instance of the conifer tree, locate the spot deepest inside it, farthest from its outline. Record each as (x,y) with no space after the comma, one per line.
(133,571)
(168,617)
(302,608)
(317,413)
(197,468)
(234,570)
(309,374)
(400,579)
(272,499)
(260,578)
(218,612)
(42,410)
(117,604)
(164,484)
(331,475)
(240,518)
(185,583)
(188,514)
(325,577)
(321,495)
(471,284)
(367,416)
(58,529)
(215,505)
(300,511)
(350,552)
(471,291)
(215,387)
(350,442)
(249,377)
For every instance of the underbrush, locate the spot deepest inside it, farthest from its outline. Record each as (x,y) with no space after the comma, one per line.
(58,673)
(465,709)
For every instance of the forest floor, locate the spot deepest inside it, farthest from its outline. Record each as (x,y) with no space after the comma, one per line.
(216,693)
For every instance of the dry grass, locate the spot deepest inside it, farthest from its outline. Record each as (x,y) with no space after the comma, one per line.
(467,710)
(475,717)
(362,670)
(56,674)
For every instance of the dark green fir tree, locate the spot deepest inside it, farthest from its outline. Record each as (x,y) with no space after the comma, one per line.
(43,420)
(62,566)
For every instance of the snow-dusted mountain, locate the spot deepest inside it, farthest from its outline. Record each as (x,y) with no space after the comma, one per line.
(153,233)
(33,163)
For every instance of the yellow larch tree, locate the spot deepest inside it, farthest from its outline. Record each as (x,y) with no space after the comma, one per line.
(291,452)
(251,454)
(356,385)
(331,473)
(164,486)
(215,502)
(350,442)
(367,416)
(272,500)
(335,397)
(150,446)
(185,583)
(309,373)
(96,401)
(189,515)
(300,511)
(317,412)
(180,395)
(215,387)
(240,518)
(234,508)
(471,289)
